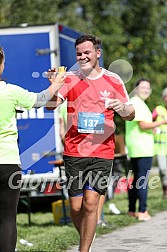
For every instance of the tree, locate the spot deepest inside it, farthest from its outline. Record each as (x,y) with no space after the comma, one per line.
(134,31)
(4,12)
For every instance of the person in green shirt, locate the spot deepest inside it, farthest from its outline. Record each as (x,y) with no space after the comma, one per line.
(12,96)
(140,144)
(160,141)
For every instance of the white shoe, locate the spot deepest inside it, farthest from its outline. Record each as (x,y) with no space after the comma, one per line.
(102,223)
(113,209)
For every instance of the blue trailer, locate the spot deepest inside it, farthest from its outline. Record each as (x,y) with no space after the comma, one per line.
(30,51)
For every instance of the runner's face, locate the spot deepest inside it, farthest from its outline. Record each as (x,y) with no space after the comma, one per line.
(87,56)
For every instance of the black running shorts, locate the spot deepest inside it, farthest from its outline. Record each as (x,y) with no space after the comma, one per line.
(87,173)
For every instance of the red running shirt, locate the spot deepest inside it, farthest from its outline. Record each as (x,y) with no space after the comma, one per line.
(90,125)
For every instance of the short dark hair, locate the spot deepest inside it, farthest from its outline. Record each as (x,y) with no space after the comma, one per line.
(140,80)
(2,55)
(87,37)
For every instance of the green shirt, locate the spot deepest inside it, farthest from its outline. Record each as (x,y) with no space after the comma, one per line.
(10,97)
(140,143)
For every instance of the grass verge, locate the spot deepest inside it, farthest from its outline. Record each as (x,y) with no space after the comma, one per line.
(47,237)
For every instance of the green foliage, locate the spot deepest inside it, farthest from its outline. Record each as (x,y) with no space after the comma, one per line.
(135,31)
(33,12)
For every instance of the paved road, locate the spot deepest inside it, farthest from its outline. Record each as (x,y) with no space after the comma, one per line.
(141,237)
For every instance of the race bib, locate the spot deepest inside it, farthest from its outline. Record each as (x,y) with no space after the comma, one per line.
(90,123)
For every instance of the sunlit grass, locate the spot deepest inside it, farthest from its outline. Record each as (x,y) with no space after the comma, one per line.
(46,236)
